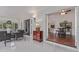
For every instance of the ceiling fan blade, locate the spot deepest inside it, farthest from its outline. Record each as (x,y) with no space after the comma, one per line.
(67,10)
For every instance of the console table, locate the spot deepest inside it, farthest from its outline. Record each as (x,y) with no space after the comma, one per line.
(38,36)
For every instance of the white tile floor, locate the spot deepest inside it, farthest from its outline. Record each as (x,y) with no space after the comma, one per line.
(32,46)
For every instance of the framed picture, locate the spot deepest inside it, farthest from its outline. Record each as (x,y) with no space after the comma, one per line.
(0,26)
(52,26)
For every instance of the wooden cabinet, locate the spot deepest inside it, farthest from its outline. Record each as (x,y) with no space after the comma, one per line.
(38,36)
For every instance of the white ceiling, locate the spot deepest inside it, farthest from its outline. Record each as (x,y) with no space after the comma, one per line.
(25,10)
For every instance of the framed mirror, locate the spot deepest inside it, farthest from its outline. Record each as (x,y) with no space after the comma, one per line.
(27,26)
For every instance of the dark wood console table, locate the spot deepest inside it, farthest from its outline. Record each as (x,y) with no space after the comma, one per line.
(38,36)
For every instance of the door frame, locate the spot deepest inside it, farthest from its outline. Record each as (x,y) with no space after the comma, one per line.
(61,45)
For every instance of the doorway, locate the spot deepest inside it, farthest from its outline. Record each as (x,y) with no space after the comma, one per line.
(61,27)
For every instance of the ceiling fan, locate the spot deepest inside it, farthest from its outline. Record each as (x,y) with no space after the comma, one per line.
(63,12)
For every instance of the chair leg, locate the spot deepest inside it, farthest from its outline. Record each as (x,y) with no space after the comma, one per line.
(5,43)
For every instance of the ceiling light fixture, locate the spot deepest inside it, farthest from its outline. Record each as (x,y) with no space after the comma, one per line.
(63,12)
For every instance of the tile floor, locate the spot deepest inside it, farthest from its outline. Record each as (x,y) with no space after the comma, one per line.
(29,45)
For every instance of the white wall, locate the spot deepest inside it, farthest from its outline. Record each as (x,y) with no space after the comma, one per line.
(56,19)
(15,14)
(77,27)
